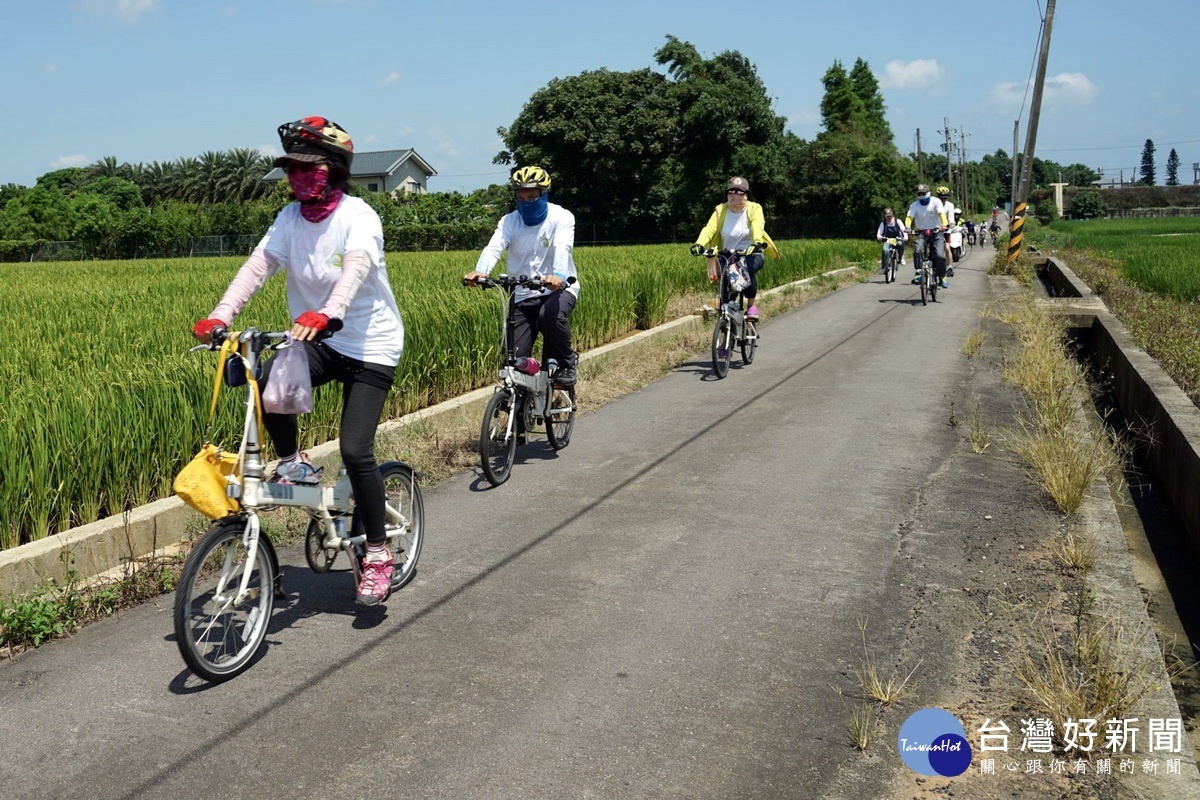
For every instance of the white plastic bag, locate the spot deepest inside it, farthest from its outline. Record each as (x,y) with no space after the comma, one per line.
(289,386)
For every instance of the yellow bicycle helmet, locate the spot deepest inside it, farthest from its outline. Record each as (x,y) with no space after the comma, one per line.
(531,178)
(943,191)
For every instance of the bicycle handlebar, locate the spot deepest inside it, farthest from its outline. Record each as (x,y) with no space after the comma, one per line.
(512,282)
(263,339)
(712,252)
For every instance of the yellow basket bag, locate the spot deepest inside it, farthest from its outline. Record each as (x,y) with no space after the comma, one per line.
(203,482)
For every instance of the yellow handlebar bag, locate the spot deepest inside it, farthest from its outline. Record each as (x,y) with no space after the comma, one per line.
(201,484)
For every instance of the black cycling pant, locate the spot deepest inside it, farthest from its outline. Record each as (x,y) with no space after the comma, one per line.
(364,390)
(551,316)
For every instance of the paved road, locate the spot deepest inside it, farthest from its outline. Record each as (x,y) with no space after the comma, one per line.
(658,611)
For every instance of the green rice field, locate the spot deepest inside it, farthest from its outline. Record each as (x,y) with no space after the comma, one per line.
(103,403)
(1159,255)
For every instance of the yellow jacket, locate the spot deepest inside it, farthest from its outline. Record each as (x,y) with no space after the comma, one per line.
(711,235)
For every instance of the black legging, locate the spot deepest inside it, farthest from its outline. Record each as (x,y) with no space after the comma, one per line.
(551,315)
(364,389)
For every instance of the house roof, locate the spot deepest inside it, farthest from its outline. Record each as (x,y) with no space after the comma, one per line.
(379,162)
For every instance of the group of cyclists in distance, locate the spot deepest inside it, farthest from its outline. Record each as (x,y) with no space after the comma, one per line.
(330,245)
(936,214)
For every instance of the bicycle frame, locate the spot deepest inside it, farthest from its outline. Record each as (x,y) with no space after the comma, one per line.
(326,504)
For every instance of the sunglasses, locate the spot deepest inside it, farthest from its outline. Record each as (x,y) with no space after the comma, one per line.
(736,191)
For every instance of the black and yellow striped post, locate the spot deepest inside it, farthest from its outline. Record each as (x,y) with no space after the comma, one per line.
(1015,226)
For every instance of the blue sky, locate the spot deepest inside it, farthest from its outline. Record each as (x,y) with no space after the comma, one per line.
(156,80)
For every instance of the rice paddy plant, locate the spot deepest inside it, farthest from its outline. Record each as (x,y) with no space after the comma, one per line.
(103,404)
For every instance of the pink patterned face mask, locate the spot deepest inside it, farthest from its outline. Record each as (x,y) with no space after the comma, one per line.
(310,185)
(308,182)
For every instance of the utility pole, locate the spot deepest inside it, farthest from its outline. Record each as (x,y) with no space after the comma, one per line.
(920,165)
(1012,192)
(949,154)
(1035,109)
(962,167)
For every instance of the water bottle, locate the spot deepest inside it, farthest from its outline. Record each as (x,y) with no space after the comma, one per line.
(527,365)
(339,525)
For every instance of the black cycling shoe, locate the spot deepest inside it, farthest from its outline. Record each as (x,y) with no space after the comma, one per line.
(565,376)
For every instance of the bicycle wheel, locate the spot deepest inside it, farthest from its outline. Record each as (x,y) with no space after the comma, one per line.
(405,519)
(749,342)
(498,439)
(924,286)
(219,628)
(933,287)
(560,420)
(722,346)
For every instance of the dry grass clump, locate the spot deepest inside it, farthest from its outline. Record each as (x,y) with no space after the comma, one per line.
(1065,448)
(877,692)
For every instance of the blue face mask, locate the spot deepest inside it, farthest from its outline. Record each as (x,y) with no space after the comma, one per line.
(923,200)
(533,212)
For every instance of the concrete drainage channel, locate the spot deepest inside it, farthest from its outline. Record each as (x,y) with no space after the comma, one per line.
(1158,510)
(107,547)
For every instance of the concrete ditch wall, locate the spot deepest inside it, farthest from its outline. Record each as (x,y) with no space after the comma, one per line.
(1145,394)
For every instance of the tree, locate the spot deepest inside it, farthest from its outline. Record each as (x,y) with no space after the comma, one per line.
(874,125)
(726,126)
(1087,203)
(607,139)
(842,110)
(852,170)
(1173,168)
(121,193)
(1080,175)
(1147,171)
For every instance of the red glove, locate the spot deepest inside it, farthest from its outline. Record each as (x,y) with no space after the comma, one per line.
(204,328)
(313,319)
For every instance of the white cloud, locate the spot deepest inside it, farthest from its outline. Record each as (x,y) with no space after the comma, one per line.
(50,69)
(78,160)
(392,77)
(125,10)
(443,144)
(1070,87)
(924,73)
(1066,88)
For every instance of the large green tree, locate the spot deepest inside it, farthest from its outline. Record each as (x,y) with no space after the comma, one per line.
(607,139)
(726,126)
(852,170)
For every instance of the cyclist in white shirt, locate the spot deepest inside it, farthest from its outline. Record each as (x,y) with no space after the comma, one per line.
(331,246)
(928,214)
(952,212)
(539,239)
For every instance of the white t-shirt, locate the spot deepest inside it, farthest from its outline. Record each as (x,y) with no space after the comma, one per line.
(542,250)
(951,210)
(312,254)
(735,230)
(925,217)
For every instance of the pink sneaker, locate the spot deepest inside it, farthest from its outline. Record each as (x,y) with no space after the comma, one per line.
(752,313)
(376,582)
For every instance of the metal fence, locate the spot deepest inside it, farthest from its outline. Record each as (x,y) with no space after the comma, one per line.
(232,245)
